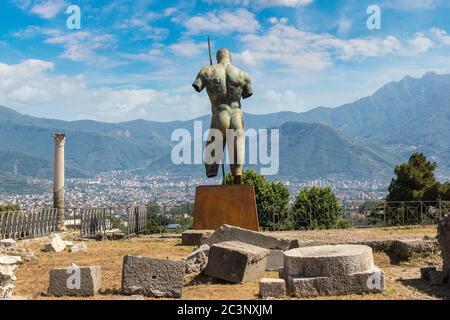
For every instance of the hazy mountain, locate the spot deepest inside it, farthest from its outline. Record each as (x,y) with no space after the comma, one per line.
(311,151)
(400,117)
(92,146)
(316,150)
(411,113)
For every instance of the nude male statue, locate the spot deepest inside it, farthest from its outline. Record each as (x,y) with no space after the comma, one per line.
(226,85)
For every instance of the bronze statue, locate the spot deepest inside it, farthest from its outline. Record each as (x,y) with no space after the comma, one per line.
(226,85)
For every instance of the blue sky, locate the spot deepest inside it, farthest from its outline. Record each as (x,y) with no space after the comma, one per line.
(137,59)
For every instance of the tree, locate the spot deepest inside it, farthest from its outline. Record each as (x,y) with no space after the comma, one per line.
(415,181)
(272,200)
(445,192)
(158,220)
(318,208)
(7,208)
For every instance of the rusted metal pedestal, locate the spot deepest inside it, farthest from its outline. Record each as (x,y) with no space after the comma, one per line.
(226,204)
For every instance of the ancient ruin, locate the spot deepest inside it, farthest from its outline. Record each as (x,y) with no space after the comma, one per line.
(331,270)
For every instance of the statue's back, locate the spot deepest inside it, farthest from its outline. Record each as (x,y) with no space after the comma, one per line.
(225,84)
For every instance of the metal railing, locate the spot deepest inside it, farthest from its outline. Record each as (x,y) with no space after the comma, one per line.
(136,220)
(356,213)
(95,222)
(28,223)
(91,222)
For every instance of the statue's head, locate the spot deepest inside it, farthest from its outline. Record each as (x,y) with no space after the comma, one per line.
(223,55)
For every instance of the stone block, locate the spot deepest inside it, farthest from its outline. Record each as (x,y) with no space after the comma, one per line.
(425,272)
(195,237)
(197,261)
(231,233)
(330,260)
(79,247)
(407,249)
(444,243)
(272,288)
(437,277)
(69,244)
(7,243)
(358,283)
(8,267)
(75,281)
(55,244)
(114,234)
(275,260)
(152,277)
(236,262)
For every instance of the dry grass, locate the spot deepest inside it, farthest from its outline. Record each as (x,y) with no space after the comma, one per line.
(362,234)
(402,281)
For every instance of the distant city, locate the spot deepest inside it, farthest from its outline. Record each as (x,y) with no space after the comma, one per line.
(115,188)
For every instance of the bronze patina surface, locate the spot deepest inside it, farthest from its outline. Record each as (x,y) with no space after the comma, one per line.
(226,85)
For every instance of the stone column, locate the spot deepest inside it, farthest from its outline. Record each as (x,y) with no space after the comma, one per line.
(58,178)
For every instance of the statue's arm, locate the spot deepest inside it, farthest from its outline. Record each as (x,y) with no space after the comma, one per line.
(199,83)
(247,92)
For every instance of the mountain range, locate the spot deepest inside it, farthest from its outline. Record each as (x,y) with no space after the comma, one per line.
(364,139)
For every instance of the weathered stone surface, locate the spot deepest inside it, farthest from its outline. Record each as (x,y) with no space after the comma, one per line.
(55,244)
(79,247)
(444,243)
(331,270)
(115,234)
(407,249)
(195,237)
(272,288)
(8,267)
(152,277)
(27,255)
(8,243)
(68,244)
(366,282)
(437,277)
(275,260)
(425,272)
(324,261)
(236,261)
(231,233)
(75,281)
(197,261)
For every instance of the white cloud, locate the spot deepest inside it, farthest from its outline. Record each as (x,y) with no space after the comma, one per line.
(46,9)
(30,82)
(302,51)
(81,46)
(344,26)
(266,3)
(441,36)
(222,22)
(31,87)
(189,48)
(246,57)
(282,100)
(419,44)
(411,4)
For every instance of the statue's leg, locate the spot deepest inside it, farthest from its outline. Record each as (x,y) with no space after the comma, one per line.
(220,121)
(237,124)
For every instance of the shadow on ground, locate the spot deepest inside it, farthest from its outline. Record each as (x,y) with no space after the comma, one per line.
(439,291)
